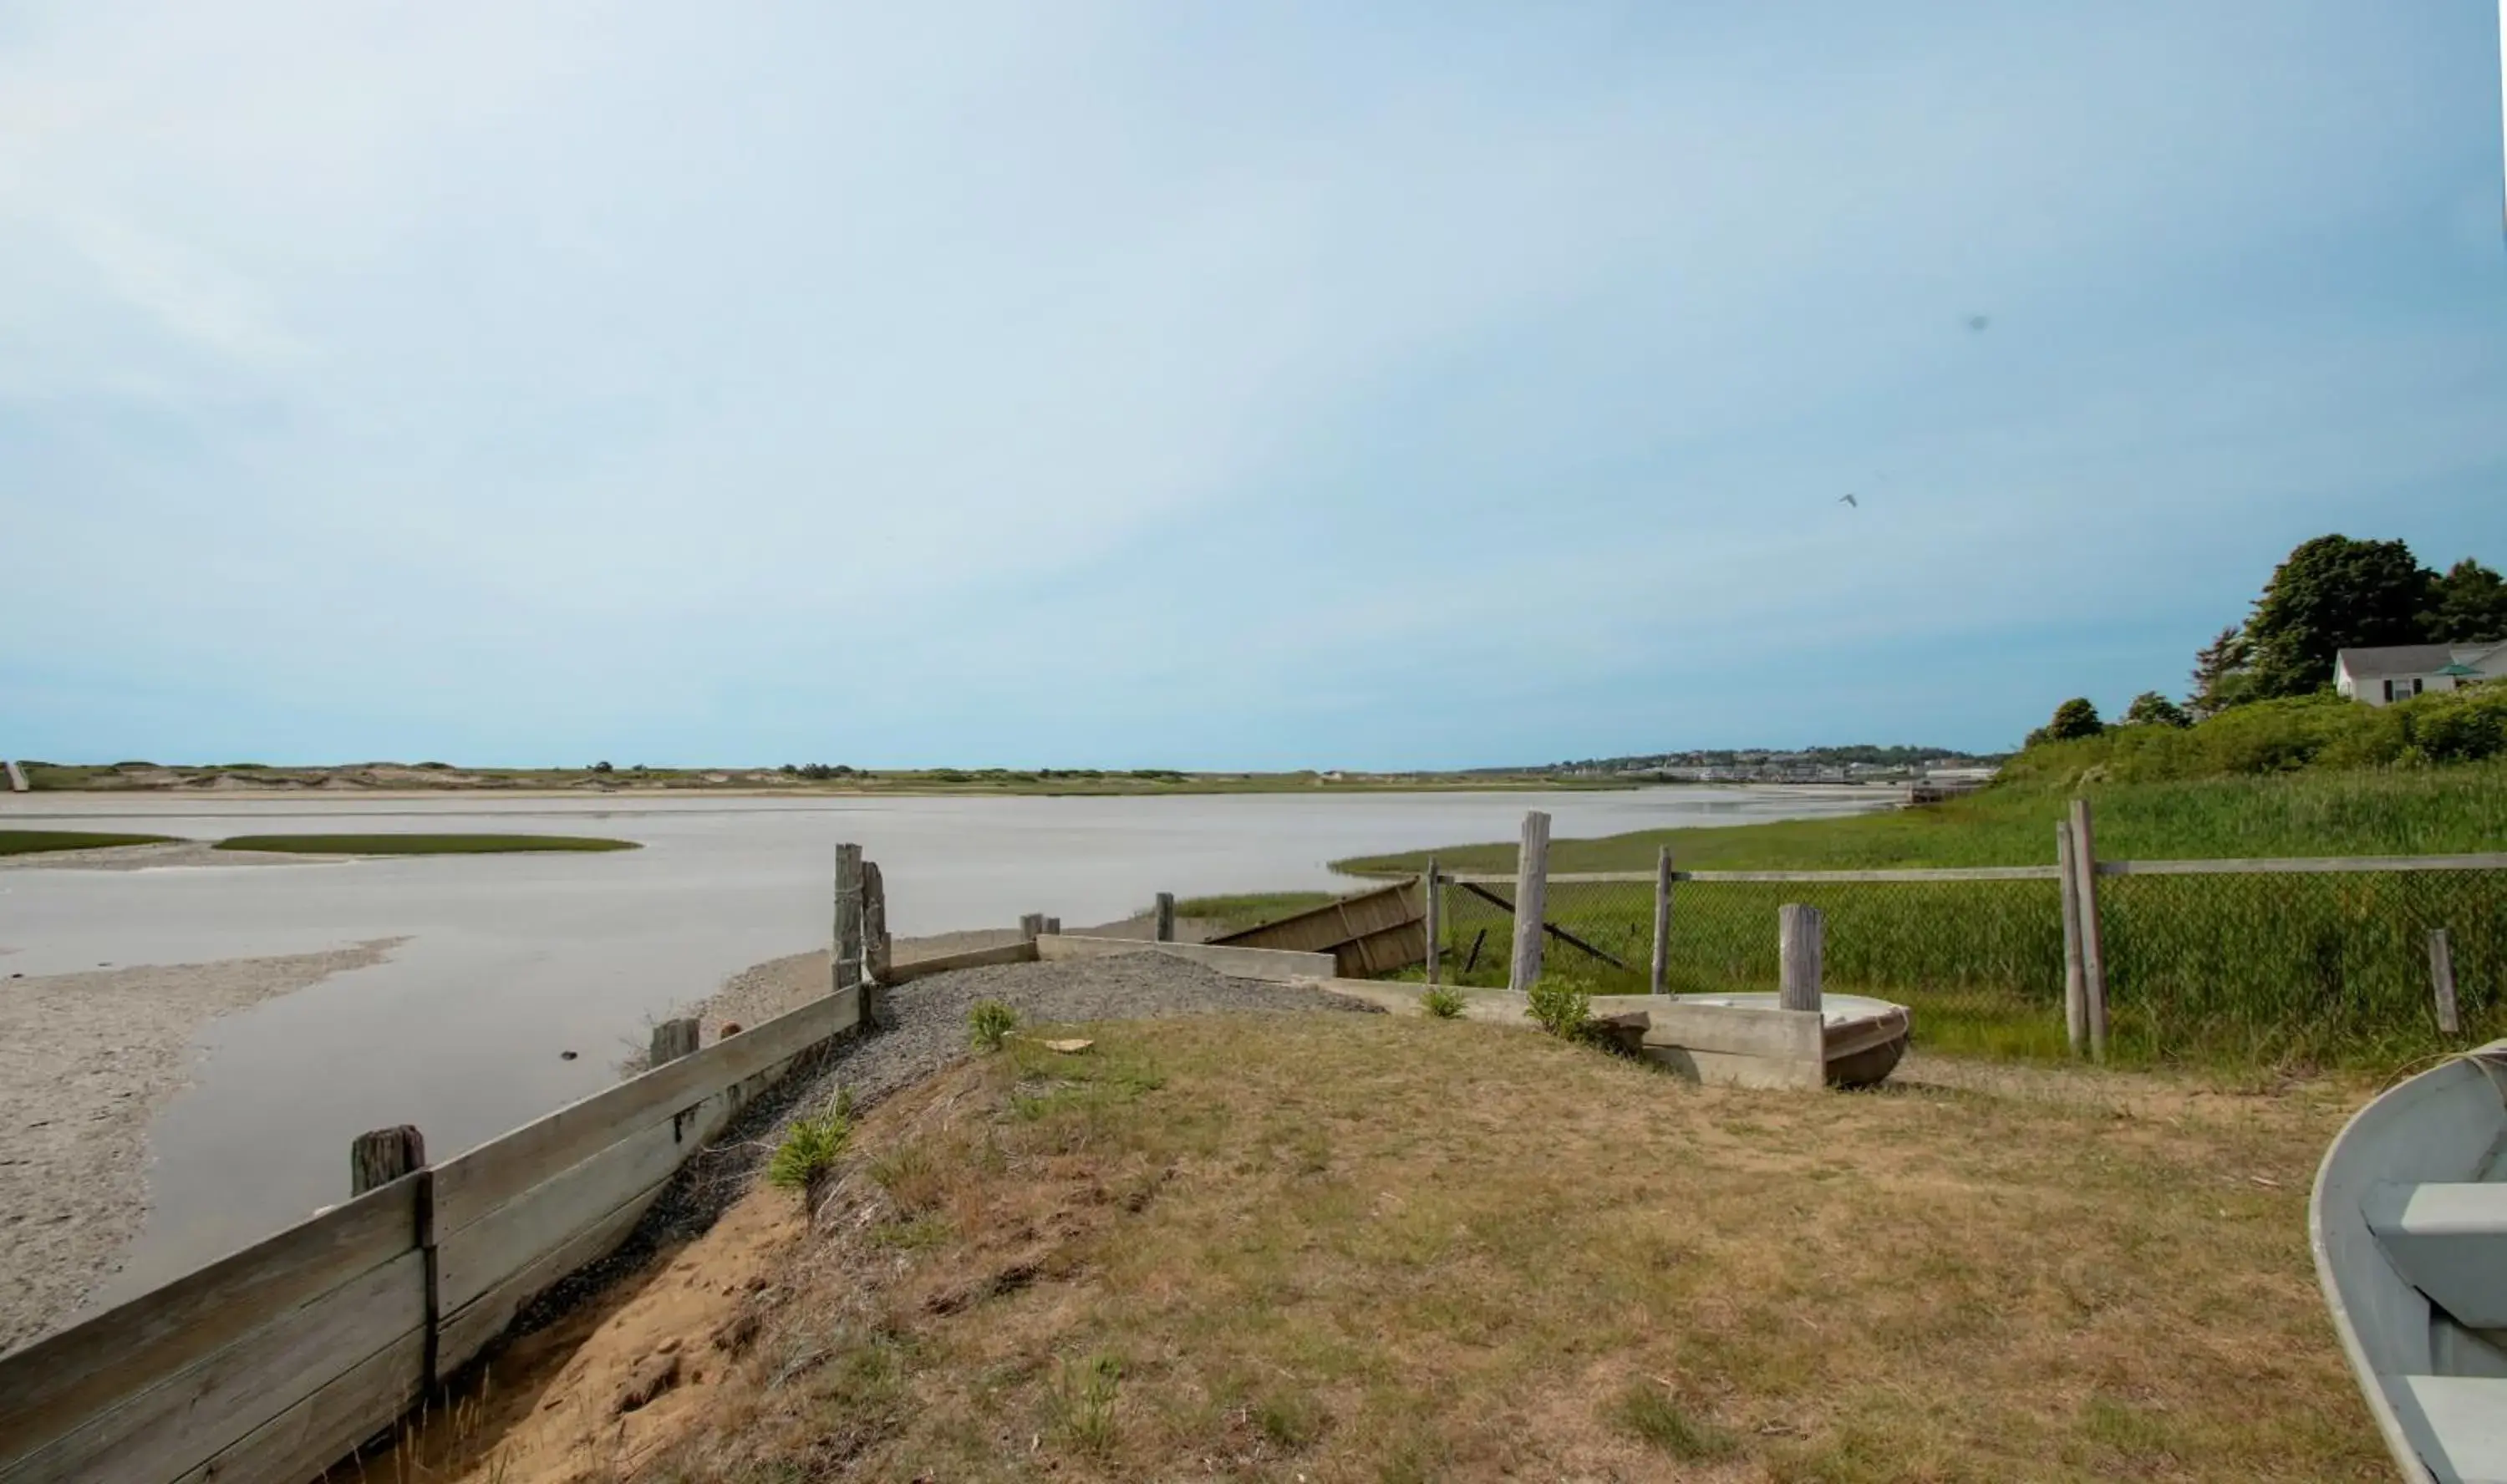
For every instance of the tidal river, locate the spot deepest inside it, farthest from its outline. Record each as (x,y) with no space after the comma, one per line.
(508,961)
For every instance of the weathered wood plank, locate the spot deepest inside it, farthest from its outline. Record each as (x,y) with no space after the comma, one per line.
(1023,951)
(1795,1036)
(2321,865)
(1164,921)
(186,1418)
(462,1334)
(326,1426)
(672,1039)
(476,1257)
(469,1186)
(48,1387)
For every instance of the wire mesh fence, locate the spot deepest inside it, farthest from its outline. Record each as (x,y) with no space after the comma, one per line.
(2327,968)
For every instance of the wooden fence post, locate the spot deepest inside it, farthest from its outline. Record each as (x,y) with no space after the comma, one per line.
(876,945)
(377,1159)
(1428,882)
(847,959)
(2094,953)
(1030,925)
(1799,948)
(2441,982)
(1052,928)
(1166,917)
(671,1041)
(1658,975)
(1531,901)
(2076,986)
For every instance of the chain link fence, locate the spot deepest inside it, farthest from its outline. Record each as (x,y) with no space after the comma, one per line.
(2301,967)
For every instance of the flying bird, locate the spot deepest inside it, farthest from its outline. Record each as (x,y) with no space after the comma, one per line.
(1849,499)
(1975,323)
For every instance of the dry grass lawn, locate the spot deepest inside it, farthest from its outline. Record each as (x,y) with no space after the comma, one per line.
(1343,1249)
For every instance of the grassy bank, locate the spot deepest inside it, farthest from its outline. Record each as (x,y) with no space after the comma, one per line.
(1247,908)
(32,842)
(420,845)
(1343,1247)
(2233,969)
(2369,811)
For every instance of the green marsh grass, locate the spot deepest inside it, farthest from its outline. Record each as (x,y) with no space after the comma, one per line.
(420,845)
(33,841)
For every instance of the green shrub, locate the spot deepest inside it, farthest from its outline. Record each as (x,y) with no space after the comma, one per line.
(1442,1001)
(991,1023)
(1562,1004)
(810,1145)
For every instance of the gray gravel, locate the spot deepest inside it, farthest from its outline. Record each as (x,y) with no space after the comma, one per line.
(924,1029)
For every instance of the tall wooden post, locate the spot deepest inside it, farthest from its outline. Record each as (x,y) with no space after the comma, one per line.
(1800,947)
(2441,982)
(1658,974)
(876,944)
(1427,884)
(1531,901)
(377,1159)
(1166,917)
(846,961)
(1030,925)
(2094,953)
(2076,981)
(671,1041)
(1052,928)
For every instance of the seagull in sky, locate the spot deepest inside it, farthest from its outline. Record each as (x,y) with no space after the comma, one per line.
(1849,499)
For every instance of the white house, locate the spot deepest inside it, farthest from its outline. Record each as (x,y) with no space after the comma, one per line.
(2399,671)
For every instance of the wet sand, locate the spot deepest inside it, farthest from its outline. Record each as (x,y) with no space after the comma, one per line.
(87,1061)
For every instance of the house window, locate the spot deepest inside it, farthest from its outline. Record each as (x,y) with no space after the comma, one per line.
(2403,690)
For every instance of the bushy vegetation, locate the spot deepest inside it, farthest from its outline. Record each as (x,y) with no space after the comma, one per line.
(1442,1002)
(2285,735)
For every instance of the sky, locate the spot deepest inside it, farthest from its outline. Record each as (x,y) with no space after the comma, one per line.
(1200,384)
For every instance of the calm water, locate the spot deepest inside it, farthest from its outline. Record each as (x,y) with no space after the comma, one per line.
(512,959)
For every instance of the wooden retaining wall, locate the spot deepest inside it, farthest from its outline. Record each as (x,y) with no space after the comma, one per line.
(270,1364)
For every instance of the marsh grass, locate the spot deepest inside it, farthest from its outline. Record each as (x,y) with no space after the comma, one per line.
(34,842)
(420,845)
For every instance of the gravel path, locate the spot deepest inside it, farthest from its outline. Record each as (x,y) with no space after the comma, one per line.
(87,1061)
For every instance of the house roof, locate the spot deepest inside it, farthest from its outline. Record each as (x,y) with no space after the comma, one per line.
(2395,660)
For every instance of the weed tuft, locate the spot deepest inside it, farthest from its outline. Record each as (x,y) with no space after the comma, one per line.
(1083,1403)
(1646,1413)
(991,1023)
(1444,1002)
(810,1147)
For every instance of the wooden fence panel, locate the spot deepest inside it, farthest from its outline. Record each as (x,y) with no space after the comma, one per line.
(182,1421)
(48,1387)
(326,1426)
(471,1185)
(463,1335)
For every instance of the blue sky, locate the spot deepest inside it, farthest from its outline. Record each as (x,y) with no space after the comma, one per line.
(1208,384)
